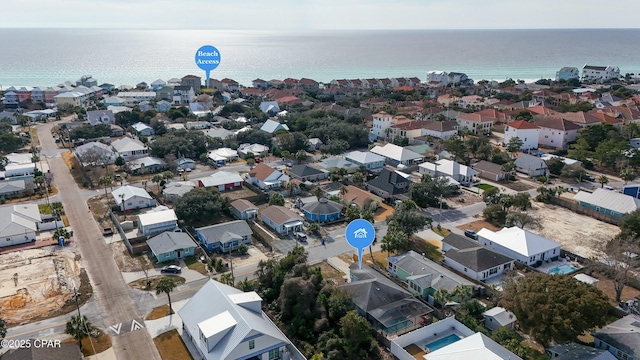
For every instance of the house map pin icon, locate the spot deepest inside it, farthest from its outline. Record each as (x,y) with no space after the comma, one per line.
(360,234)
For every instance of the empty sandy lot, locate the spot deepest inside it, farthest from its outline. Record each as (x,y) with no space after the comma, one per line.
(577,233)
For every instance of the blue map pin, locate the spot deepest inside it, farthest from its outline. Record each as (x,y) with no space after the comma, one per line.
(360,234)
(207,59)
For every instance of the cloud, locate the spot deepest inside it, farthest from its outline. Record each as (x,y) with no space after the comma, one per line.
(317,14)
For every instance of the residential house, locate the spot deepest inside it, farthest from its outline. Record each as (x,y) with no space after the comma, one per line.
(272,126)
(475,261)
(488,170)
(281,219)
(476,124)
(235,328)
(423,276)
(11,98)
(116,131)
(521,245)
(315,144)
(498,317)
(573,351)
(270,107)
(222,155)
(130,198)
(334,163)
(95,153)
(260,84)
(171,245)
(157,220)
(463,174)
(146,165)
(266,177)
(225,237)
(221,180)
(244,209)
(129,148)
(458,78)
(183,95)
(185,163)
(531,165)
(143,129)
(198,125)
(257,150)
(439,129)
(307,173)
(556,132)
(302,202)
(322,211)
(382,121)
(363,199)
(390,309)
(567,73)
(134,97)
(608,202)
(448,339)
(163,106)
(397,155)
(96,117)
(367,159)
(581,118)
(176,189)
(158,84)
(599,74)
(20,224)
(113,101)
(527,132)
(219,133)
(437,78)
(192,81)
(10,189)
(388,184)
(621,338)
(70,98)
(409,130)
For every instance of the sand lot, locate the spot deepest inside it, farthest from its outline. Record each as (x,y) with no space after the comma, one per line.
(577,233)
(36,282)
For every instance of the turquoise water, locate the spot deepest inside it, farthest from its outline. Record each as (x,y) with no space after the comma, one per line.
(45,57)
(562,270)
(399,323)
(440,343)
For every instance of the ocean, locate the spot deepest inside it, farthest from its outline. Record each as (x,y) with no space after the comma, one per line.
(45,57)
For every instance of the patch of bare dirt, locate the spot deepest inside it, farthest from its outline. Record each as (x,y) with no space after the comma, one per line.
(126,262)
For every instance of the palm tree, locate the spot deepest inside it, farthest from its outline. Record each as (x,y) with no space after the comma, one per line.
(628,174)
(317,191)
(342,172)
(357,178)
(301,156)
(508,168)
(441,296)
(105,181)
(157,179)
(343,190)
(79,328)
(227,279)
(463,292)
(291,187)
(603,180)
(166,285)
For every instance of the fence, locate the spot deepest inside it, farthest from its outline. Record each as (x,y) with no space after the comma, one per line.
(575,207)
(264,237)
(259,197)
(123,236)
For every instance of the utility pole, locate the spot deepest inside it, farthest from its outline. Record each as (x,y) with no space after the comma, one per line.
(75,297)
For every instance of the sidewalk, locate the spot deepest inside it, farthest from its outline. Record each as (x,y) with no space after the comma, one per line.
(340,265)
(188,274)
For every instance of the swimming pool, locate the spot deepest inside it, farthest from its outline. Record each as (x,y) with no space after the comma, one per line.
(562,270)
(440,343)
(396,324)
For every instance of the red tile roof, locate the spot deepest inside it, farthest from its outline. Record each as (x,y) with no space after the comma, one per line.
(493,113)
(605,118)
(540,110)
(580,117)
(555,122)
(477,118)
(522,125)
(403,88)
(306,81)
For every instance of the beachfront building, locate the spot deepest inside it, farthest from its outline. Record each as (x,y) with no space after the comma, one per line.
(567,73)
(599,74)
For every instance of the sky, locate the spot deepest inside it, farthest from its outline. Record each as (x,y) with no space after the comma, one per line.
(320,14)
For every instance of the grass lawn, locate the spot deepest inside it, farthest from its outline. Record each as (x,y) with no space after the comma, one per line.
(34,136)
(420,246)
(171,347)
(379,258)
(100,344)
(194,264)
(141,284)
(484,187)
(158,313)
(442,232)
(329,273)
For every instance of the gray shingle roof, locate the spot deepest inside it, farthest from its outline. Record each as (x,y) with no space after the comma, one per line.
(478,258)
(304,170)
(215,233)
(389,181)
(170,241)
(323,206)
(459,242)
(415,264)
(623,334)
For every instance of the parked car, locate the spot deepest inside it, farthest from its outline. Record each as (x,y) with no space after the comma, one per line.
(471,234)
(171,269)
(302,237)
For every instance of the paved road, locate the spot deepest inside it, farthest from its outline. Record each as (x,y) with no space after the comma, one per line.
(112,295)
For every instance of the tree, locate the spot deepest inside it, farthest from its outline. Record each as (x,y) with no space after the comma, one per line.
(343,191)
(317,191)
(120,162)
(491,196)
(200,203)
(276,199)
(395,240)
(105,181)
(603,180)
(555,165)
(554,307)
(355,332)
(227,279)
(79,328)
(456,146)
(251,162)
(495,214)
(574,171)
(463,292)
(514,145)
(430,190)
(406,218)
(157,179)
(442,296)
(522,220)
(627,174)
(301,156)
(617,261)
(352,213)
(630,224)
(357,178)
(166,285)
(243,249)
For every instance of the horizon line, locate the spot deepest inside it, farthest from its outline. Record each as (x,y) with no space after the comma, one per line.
(310,30)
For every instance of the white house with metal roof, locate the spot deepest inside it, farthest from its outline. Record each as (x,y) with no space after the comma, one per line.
(366,158)
(130,197)
(19,224)
(157,220)
(397,155)
(498,317)
(235,328)
(221,180)
(142,129)
(129,148)
(463,174)
(272,126)
(521,245)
